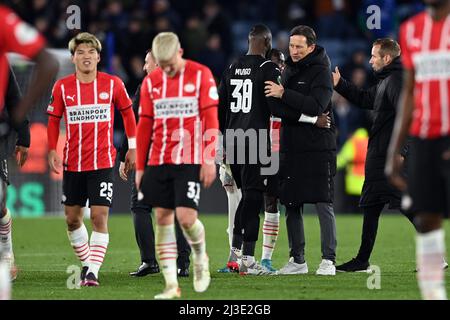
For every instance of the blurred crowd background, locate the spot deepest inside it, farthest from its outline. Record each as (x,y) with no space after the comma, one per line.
(214,32)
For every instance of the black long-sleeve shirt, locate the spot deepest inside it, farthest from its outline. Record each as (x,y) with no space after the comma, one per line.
(124,147)
(13,96)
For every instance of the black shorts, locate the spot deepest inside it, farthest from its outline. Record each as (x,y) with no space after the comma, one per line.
(429,176)
(96,185)
(170,186)
(248,176)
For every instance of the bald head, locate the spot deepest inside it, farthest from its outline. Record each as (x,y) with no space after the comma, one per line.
(260,39)
(260,31)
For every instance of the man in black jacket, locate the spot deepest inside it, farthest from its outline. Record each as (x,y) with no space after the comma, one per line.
(22,143)
(307,152)
(383,100)
(142,220)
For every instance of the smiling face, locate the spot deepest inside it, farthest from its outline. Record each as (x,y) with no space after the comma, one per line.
(85,58)
(298,47)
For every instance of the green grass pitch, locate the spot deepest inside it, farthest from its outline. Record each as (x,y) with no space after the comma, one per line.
(43,255)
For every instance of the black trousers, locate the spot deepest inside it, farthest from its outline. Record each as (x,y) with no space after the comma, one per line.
(370,228)
(145,236)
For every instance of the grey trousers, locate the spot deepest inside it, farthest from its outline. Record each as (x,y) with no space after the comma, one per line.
(296,233)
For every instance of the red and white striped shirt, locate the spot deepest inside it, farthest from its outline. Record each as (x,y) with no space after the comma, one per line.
(425,46)
(88,110)
(15,36)
(176,105)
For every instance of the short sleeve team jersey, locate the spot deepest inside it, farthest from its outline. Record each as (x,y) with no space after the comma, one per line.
(15,36)
(425,46)
(175,104)
(245,105)
(88,111)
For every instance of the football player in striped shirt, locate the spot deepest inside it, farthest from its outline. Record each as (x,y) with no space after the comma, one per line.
(177,133)
(425,116)
(86,100)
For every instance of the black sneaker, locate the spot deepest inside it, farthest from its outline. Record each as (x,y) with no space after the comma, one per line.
(91,280)
(183,272)
(83,275)
(145,269)
(353,265)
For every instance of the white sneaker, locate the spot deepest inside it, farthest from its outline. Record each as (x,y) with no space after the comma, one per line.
(326,268)
(293,268)
(202,277)
(169,293)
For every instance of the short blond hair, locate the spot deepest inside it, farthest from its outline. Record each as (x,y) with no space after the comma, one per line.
(165,46)
(84,37)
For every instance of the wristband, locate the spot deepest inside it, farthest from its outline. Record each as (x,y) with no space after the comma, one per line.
(308,119)
(131,143)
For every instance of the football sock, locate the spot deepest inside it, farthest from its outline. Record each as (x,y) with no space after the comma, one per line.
(79,239)
(195,235)
(5,233)
(234,198)
(5,280)
(166,249)
(238,239)
(248,260)
(430,250)
(248,249)
(99,244)
(270,233)
(235,254)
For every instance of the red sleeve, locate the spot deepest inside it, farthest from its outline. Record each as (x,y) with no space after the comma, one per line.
(144,136)
(405,53)
(145,125)
(53,132)
(210,123)
(146,99)
(121,99)
(18,36)
(129,122)
(208,90)
(56,106)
